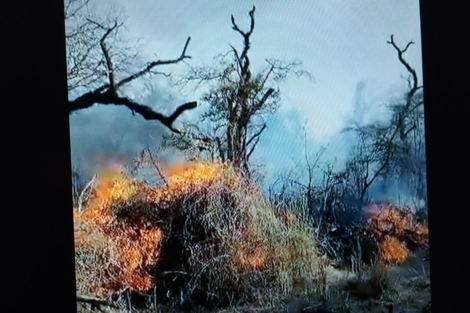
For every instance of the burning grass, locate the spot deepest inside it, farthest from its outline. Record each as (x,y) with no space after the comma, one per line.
(392,251)
(208,233)
(396,232)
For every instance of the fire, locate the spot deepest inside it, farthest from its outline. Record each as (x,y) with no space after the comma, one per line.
(129,249)
(393,251)
(113,184)
(397,231)
(180,177)
(387,218)
(133,244)
(183,174)
(114,187)
(187,177)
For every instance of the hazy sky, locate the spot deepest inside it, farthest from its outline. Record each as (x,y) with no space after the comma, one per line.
(341,43)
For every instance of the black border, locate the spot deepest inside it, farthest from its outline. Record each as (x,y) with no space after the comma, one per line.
(36,216)
(37,231)
(445,33)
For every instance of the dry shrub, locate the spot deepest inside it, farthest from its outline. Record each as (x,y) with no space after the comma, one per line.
(396,231)
(112,255)
(208,234)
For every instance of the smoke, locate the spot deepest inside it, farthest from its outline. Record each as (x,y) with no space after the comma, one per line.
(105,135)
(368,108)
(360,103)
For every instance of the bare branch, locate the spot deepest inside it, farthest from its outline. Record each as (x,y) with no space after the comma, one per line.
(92,55)
(84,191)
(407,65)
(156,165)
(151,65)
(252,149)
(406,48)
(252,13)
(256,135)
(246,36)
(68,5)
(109,63)
(89,99)
(292,181)
(237,57)
(282,69)
(235,26)
(263,100)
(271,69)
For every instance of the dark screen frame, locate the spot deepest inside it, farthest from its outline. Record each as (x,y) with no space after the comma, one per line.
(36,167)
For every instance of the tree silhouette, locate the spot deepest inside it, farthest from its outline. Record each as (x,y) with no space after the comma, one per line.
(393,147)
(98,65)
(238,103)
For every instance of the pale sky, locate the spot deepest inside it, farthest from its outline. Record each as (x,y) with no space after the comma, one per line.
(341,43)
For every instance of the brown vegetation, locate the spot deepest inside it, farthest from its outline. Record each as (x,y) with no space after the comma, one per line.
(208,232)
(396,232)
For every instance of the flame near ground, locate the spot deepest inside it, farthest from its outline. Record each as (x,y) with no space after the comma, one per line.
(129,248)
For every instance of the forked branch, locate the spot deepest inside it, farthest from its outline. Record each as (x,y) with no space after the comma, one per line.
(243,59)
(108,93)
(407,65)
(156,166)
(153,64)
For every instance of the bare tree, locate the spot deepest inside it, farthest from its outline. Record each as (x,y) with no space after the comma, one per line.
(409,161)
(98,64)
(385,148)
(237,103)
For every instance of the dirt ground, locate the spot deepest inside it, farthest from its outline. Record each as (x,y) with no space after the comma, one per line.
(408,291)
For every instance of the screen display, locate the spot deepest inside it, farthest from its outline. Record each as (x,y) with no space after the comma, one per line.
(235,156)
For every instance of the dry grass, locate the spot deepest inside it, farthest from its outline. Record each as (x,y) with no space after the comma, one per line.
(112,256)
(208,234)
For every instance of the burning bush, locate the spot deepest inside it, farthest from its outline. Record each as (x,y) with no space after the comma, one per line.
(396,232)
(208,233)
(112,256)
(392,251)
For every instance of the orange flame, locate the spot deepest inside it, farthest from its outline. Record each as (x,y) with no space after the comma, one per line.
(106,179)
(394,227)
(134,247)
(186,177)
(185,174)
(393,251)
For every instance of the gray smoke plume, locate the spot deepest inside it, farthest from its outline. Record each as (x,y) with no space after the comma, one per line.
(103,135)
(360,103)
(107,134)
